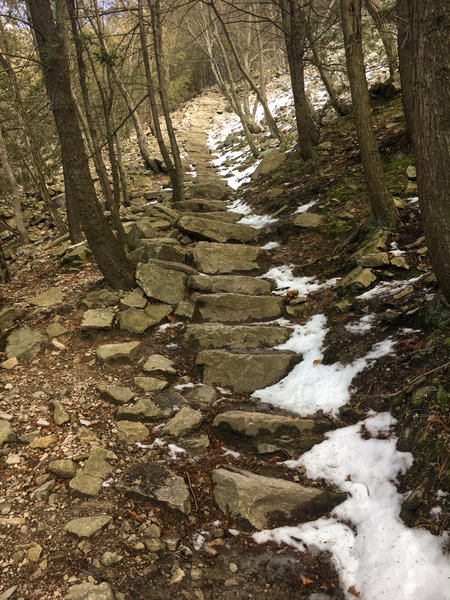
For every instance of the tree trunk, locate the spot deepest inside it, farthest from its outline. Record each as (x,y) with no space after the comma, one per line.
(406,60)
(50,39)
(122,175)
(387,38)
(14,190)
(4,271)
(426,94)
(383,210)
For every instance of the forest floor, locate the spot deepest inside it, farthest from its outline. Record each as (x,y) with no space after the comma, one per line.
(372,383)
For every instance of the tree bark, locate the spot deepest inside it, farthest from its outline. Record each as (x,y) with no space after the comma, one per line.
(424,68)
(4,271)
(109,254)
(383,210)
(387,38)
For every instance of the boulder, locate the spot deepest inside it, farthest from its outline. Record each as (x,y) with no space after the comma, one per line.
(204,395)
(159,283)
(150,384)
(358,279)
(245,372)
(90,591)
(159,363)
(271,160)
(267,502)
(24,343)
(239,307)
(216,231)
(124,351)
(218,335)
(308,220)
(97,318)
(143,410)
(66,469)
(134,299)
(160,248)
(85,527)
(100,299)
(215,191)
(184,422)
(232,284)
(131,432)
(212,258)
(135,320)
(116,394)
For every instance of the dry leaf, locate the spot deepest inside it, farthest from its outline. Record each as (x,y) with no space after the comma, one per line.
(317,361)
(305,580)
(352,590)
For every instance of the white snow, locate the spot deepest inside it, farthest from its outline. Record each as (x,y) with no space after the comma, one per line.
(304,207)
(175,450)
(364,324)
(162,328)
(258,221)
(388,287)
(383,558)
(228,452)
(285,280)
(312,386)
(240,207)
(270,246)
(198,541)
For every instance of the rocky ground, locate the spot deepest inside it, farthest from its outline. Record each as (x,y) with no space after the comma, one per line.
(141,446)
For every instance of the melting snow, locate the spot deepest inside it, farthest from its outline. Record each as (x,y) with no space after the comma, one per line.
(285,280)
(270,246)
(361,326)
(258,221)
(305,207)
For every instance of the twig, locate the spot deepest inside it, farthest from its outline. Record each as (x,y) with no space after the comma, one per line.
(192,491)
(414,381)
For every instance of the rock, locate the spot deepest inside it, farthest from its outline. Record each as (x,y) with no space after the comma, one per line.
(159,363)
(66,469)
(86,484)
(116,394)
(86,436)
(34,553)
(150,384)
(358,279)
(233,284)
(8,317)
(239,307)
(8,593)
(52,296)
(75,256)
(264,433)
(200,205)
(375,259)
(217,231)
(126,351)
(24,343)
(131,432)
(110,558)
(9,364)
(153,481)
(399,262)
(157,312)
(46,441)
(210,190)
(411,172)
(196,445)
(90,591)
(214,258)
(134,299)
(244,372)
(102,453)
(224,216)
(55,330)
(7,433)
(143,410)
(135,320)
(205,395)
(60,414)
(97,319)
(375,242)
(308,220)
(85,527)
(97,466)
(217,335)
(185,421)
(400,203)
(411,188)
(43,491)
(141,228)
(185,309)
(100,299)
(267,502)
(168,401)
(158,248)
(405,292)
(271,160)
(159,283)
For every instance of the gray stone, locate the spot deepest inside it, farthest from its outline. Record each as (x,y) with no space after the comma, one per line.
(60,414)
(124,351)
(215,191)
(85,527)
(185,421)
(411,172)
(217,335)
(168,400)
(52,296)
(244,372)
(45,441)
(217,231)
(196,445)
(150,384)
(374,243)
(116,394)
(97,318)
(358,279)
(9,364)
(43,491)
(205,395)
(232,284)
(96,466)
(7,433)
(267,502)
(185,309)
(143,410)
(8,592)
(141,228)
(308,220)
(110,558)
(55,330)
(374,259)
(131,432)
(214,258)
(271,160)
(158,249)
(159,283)
(66,469)
(86,484)
(158,312)
(239,307)
(24,343)
(159,363)
(134,299)
(102,453)
(223,215)
(135,320)
(153,481)
(8,317)
(90,591)
(100,299)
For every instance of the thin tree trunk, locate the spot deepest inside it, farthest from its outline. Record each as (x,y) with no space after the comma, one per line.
(122,175)
(387,38)
(383,210)
(406,61)
(4,271)
(14,190)
(109,254)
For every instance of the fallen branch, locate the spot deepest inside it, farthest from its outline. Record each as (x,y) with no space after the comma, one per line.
(403,389)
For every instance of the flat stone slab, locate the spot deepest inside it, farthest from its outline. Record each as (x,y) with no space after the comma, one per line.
(116,394)
(84,527)
(231,284)
(143,410)
(24,343)
(100,299)
(217,231)
(244,372)
(66,469)
(125,351)
(212,258)
(210,190)
(135,320)
(7,433)
(90,591)
(55,330)
(225,308)
(271,160)
(218,335)
(184,422)
(267,502)
(52,296)
(131,432)
(223,215)
(153,481)
(158,312)
(86,484)
(159,363)
(134,299)
(150,384)
(200,205)
(159,283)
(308,220)
(266,433)
(97,318)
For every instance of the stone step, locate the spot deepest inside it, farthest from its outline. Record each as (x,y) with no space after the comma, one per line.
(161,283)
(266,502)
(216,231)
(265,433)
(232,284)
(213,258)
(214,189)
(245,337)
(239,308)
(245,371)
(229,217)
(200,205)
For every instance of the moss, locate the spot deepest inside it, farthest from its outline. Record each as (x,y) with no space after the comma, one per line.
(395,173)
